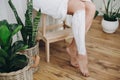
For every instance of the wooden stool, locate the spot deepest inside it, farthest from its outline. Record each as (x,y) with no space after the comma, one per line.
(53,36)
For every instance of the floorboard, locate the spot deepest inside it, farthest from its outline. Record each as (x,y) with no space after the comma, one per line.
(103,55)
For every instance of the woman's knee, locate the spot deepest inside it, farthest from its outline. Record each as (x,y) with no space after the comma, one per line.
(75,5)
(79,6)
(90,7)
(93,8)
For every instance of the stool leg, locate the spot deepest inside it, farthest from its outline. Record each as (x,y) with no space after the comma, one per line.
(48,51)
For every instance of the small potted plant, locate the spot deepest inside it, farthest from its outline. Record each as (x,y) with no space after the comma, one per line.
(110,20)
(13,66)
(29,29)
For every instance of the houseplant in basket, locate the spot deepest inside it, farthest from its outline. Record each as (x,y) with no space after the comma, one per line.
(13,66)
(110,17)
(29,29)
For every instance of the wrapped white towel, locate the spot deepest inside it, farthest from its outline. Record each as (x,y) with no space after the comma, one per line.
(54,8)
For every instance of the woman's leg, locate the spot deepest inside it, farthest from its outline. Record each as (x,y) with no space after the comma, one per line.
(90,12)
(83,60)
(77,8)
(90,9)
(71,49)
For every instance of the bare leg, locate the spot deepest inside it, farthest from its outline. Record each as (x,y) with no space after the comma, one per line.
(82,59)
(90,10)
(71,49)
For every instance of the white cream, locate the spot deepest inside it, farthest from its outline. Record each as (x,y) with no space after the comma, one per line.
(78,27)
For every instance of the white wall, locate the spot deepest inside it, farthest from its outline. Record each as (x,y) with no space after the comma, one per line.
(6,12)
(100,6)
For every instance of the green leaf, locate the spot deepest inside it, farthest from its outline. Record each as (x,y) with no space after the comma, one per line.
(14,28)
(19,21)
(105,6)
(2,60)
(3,53)
(18,62)
(18,46)
(1,70)
(96,13)
(36,21)
(4,35)
(15,12)
(118,15)
(3,22)
(108,5)
(117,12)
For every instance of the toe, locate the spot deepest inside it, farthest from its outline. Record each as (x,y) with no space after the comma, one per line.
(86,74)
(75,65)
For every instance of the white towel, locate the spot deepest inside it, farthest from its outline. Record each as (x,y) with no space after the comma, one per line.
(54,8)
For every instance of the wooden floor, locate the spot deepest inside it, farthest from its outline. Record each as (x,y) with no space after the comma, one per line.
(103,53)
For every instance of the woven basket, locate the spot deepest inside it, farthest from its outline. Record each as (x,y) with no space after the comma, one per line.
(23,74)
(32,52)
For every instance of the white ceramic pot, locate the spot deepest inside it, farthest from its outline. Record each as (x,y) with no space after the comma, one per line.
(110,26)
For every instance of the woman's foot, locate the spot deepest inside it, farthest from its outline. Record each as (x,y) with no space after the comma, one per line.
(73,56)
(83,64)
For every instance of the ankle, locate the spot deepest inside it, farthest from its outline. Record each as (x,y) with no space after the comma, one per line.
(72,52)
(80,55)
(83,57)
(70,47)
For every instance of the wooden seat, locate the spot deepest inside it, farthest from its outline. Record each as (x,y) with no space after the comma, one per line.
(53,36)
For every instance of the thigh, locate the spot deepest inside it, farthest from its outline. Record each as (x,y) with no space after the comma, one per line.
(75,5)
(89,6)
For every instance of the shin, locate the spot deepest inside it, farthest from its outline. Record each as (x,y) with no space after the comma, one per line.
(78,27)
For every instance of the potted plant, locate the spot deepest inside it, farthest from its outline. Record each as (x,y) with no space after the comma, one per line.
(13,66)
(110,17)
(29,29)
